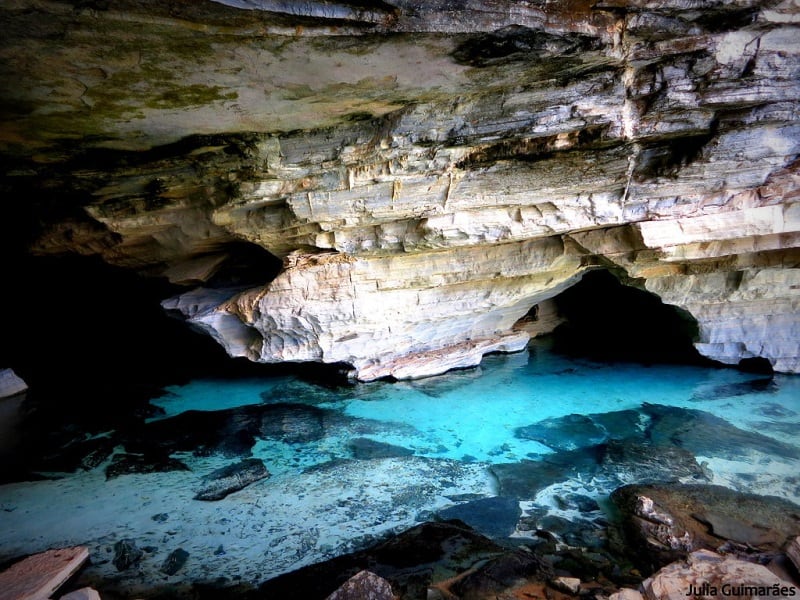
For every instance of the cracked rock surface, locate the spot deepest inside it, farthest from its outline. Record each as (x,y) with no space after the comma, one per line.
(426,175)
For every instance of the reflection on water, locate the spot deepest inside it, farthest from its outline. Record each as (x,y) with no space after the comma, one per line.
(545,437)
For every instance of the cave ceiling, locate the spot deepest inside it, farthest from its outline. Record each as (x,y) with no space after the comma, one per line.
(469,158)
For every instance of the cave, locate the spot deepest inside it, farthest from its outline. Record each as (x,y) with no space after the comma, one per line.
(269,270)
(607,320)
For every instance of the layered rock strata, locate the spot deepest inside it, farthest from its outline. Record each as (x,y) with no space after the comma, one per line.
(426,175)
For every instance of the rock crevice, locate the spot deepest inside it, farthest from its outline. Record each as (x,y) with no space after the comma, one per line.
(427,176)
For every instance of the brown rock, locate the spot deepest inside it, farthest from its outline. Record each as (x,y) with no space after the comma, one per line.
(706,573)
(364,585)
(38,576)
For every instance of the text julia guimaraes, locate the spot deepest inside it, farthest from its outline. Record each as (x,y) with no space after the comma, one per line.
(742,590)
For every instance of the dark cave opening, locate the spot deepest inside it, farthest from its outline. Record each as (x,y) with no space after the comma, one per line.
(93,342)
(608,321)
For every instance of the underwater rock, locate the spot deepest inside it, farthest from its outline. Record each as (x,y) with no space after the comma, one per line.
(663,523)
(364,585)
(563,433)
(126,554)
(574,431)
(291,423)
(495,517)
(762,385)
(365,449)
(232,478)
(705,434)
(524,479)
(127,464)
(630,461)
(230,432)
(175,561)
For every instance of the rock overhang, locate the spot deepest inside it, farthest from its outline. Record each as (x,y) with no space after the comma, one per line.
(657,140)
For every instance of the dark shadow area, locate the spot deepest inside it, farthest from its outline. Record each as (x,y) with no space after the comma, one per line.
(609,321)
(94,346)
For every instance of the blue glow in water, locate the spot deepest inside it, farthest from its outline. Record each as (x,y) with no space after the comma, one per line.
(473,415)
(438,441)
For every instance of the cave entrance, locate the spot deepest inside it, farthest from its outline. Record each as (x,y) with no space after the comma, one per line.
(602,319)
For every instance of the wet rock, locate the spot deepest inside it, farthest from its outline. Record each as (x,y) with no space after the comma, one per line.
(582,503)
(564,433)
(663,523)
(126,554)
(160,517)
(708,435)
(127,464)
(570,585)
(232,478)
(411,561)
(364,585)
(632,461)
(762,385)
(706,573)
(524,479)
(291,423)
(494,517)
(82,594)
(502,573)
(365,449)
(175,561)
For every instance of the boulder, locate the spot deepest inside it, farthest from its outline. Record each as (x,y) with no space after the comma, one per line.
(175,561)
(126,554)
(365,448)
(663,523)
(232,478)
(705,573)
(364,585)
(11,384)
(86,593)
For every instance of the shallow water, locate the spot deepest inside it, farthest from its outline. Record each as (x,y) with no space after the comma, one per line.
(452,439)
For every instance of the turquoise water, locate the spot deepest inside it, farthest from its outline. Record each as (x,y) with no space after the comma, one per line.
(349,464)
(472,415)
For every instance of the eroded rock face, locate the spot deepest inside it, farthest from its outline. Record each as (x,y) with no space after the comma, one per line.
(427,176)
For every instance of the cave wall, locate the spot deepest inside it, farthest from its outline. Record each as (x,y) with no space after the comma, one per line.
(425,172)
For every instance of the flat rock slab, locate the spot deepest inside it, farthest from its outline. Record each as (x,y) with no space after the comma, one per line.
(224,481)
(38,576)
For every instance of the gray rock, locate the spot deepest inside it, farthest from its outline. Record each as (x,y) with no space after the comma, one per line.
(364,585)
(126,554)
(218,484)
(175,561)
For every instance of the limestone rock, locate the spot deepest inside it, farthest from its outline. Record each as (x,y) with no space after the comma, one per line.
(364,585)
(663,523)
(11,384)
(626,594)
(226,480)
(426,175)
(707,573)
(571,585)
(82,594)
